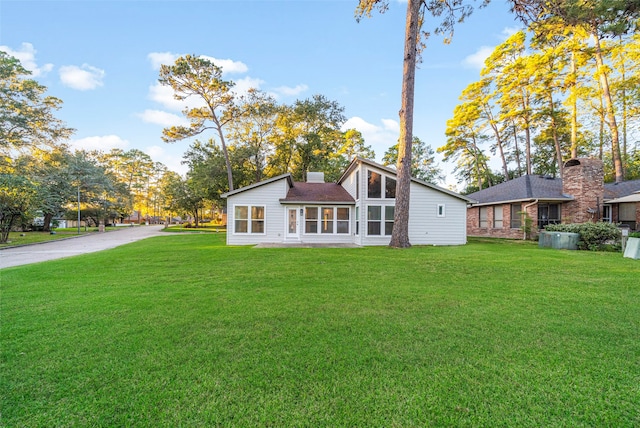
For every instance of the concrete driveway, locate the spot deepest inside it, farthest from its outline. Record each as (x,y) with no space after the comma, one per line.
(90,243)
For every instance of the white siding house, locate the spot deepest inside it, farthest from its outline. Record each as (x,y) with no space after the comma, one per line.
(357,209)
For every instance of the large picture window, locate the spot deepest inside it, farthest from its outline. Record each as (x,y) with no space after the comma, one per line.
(380,220)
(329,220)
(249,219)
(548,214)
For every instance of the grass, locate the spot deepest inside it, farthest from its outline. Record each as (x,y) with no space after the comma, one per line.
(24,238)
(180,330)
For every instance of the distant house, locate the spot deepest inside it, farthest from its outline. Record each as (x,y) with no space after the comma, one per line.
(580,197)
(358,209)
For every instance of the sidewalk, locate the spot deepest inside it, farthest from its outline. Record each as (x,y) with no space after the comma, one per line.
(90,243)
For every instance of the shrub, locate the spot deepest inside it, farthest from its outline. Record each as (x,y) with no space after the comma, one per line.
(598,236)
(634,235)
(187,225)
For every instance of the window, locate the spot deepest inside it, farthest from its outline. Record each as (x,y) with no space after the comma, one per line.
(516,216)
(441,210)
(311,220)
(483,217)
(357,220)
(248,219)
(376,182)
(374,187)
(357,185)
(326,220)
(375,220)
(497,217)
(389,212)
(606,213)
(548,214)
(342,223)
(389,188)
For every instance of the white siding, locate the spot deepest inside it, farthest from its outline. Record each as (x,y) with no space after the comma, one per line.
(268,195)
(426,228)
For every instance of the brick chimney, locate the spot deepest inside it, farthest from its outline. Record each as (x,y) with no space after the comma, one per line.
(584,180)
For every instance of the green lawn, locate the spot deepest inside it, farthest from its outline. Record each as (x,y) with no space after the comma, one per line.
(180,330)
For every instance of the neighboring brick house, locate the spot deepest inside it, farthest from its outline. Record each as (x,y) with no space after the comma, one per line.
(581,197)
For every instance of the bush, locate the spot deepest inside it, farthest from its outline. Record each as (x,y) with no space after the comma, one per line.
(187,225)
(599,236)
(634,235)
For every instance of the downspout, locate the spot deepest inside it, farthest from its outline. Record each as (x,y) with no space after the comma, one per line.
(524,211)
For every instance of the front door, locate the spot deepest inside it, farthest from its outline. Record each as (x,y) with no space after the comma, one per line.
(293,225)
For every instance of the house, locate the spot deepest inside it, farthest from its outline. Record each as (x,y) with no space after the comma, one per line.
(358,209)
(579,197)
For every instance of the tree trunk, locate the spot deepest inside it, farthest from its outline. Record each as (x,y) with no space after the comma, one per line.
(47,222)
(611,117)
(400,235)
(574,109)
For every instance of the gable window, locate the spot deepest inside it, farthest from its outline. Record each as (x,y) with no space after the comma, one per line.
(357,185)
(497,217)
(389,188)
(548,214)
(248,219)
(376,183)
(516,216)
(326,220)
(483,217)
(441,210)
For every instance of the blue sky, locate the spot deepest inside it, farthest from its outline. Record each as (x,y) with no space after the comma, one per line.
(102,59)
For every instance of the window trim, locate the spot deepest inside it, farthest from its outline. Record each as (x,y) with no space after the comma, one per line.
(383,185)
(383,220)
(250,219)
(334,220)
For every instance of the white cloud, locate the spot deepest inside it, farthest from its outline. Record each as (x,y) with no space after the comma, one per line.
(103,143)
(380,138)
(228,66)
(476,60)
(164,96)
(162,58)
(163,118)
(81,78)
(155,151)
(289,91)
(242,86)
(26,54)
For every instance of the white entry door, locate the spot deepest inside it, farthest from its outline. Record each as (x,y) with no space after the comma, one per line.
(293,224)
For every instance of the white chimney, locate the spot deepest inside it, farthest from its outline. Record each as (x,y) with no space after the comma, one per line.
(315,177)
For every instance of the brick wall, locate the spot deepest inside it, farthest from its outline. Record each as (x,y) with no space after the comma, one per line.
(474,229)
(584,180)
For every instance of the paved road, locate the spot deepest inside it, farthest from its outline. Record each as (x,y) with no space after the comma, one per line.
(72,247)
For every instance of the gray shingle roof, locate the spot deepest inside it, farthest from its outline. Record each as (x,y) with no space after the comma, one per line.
(527,187)
(618,190)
